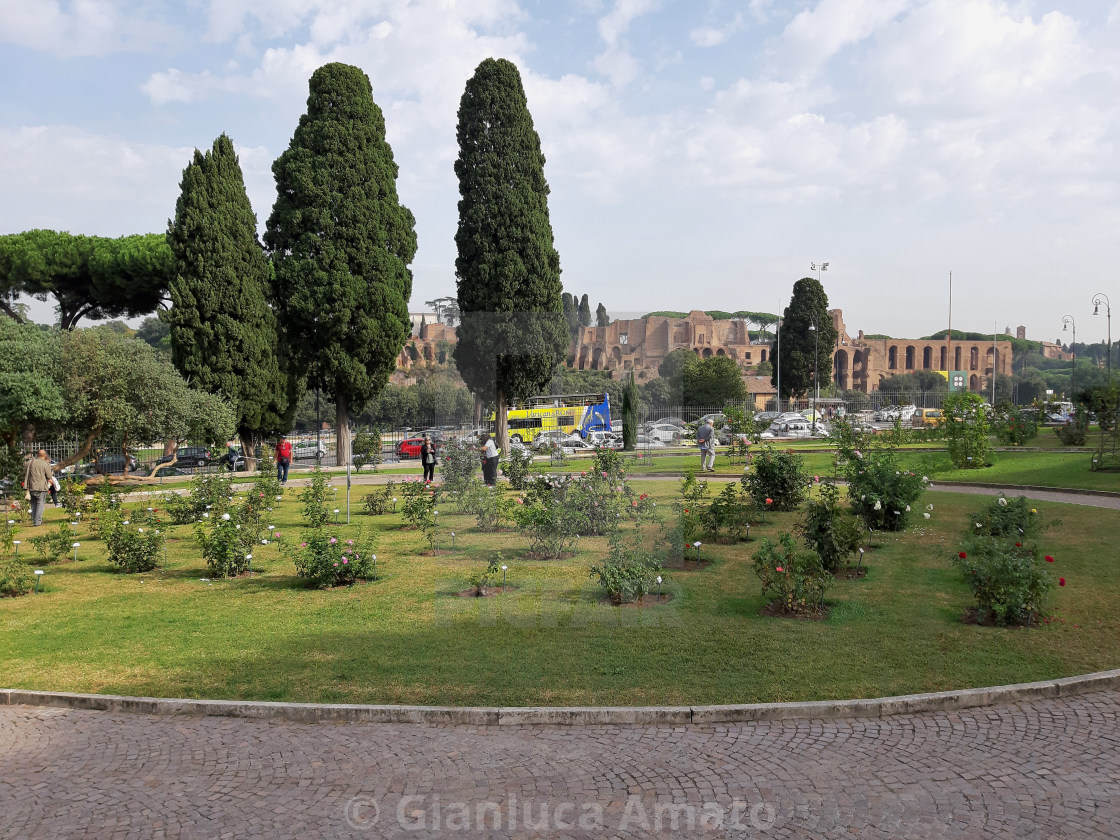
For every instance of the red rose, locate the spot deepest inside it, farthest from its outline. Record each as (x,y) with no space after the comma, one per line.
(1018,545)
(1061,581)
(1049,559)
(963,556)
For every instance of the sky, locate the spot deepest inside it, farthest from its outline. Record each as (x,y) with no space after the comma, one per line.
(701,154)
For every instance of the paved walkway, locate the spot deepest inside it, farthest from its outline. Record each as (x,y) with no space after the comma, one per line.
(1043,769)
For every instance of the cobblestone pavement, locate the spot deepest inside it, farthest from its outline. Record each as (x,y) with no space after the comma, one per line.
(1043,769)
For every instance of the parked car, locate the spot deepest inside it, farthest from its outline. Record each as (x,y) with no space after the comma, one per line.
(308,449)
(115,464)
(608,440)
(409,448)
(188,456)
(551,437)
(928,417)
(666,433)
(793,429)
(646,442)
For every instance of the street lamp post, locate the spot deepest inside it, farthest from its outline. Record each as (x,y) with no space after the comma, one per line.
(816,360)
(1097,298)
(1067,322)
(818,267)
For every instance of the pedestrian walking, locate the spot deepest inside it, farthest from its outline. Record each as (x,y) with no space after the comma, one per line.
(706,439)
(283,459)
(428,458)
(37,480)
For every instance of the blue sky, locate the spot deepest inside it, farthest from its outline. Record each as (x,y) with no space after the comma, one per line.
(700,154)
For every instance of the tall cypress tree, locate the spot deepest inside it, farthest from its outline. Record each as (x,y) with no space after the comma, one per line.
(584,312)
(571,313)
(602,319)
(809,305)
(513,333)
(223,334)
(341,243)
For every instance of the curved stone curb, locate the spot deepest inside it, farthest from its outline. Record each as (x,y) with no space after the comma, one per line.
(573,715)
(1011,489)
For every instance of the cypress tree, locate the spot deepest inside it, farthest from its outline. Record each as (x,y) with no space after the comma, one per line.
(584,312)
(630,414)
(602,319)
(512,334)
(341,243)
(808,305)
(223,334)
(571,313)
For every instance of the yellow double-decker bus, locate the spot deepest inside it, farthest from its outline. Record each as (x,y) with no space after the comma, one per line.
(568,413)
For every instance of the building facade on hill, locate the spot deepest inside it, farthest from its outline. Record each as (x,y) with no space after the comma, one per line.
(641,344)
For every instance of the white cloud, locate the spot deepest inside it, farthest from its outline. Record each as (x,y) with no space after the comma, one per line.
(614,24)
(713,36)
(66,178)
(82,28)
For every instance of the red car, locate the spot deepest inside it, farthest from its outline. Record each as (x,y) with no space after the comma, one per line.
(409,448)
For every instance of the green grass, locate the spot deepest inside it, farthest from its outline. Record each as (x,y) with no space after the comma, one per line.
(406,638)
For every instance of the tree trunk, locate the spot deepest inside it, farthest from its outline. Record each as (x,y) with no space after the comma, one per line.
(501,423)
(248,451)
(342,429)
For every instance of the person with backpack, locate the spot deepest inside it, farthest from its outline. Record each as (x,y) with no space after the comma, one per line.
(283,459)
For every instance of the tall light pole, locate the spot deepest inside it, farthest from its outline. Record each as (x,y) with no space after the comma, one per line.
(818,267)
(1097,298)
(816,379)
(1067,322)
(778,361)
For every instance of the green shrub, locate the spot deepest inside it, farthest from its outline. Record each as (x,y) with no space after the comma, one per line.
(828,530)
(227,542)
(880,492)
(1013,426)
(517,467)
(380,500)
(628,572)
(314,498)
(688,510)
(324,561)
(489,505)
(480,580)
(419,503)
(1076,431)
(1011,518)
(73,497)
(551,525)
(965,429)
(728,514)
(134,548)
(1009,582)
(794,580)
(777,480)
(367,449)
(16,578)
(460,461)
(209,492)
(54,545)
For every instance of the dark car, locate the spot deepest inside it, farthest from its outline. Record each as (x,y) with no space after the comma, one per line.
(409,448)
(189,456)
(115,464)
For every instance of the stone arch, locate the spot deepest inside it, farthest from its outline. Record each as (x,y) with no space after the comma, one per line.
(973,359)
(720,352)
(927,358)
(598,361)
(910,357)
(944,359)
(584,357)
(957,358)
(974,383)
(707,354)
(840,372)
(991,360)
(616,354)
(892,358)
(696,350)
(763,354)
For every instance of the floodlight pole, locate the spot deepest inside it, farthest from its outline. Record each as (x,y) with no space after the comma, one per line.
(1067,322)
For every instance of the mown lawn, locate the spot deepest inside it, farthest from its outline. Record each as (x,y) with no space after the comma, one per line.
(550,639)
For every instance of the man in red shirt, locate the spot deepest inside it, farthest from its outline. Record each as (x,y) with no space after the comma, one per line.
(283,459)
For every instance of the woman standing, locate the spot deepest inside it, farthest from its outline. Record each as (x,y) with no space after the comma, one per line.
(489,460)
(428,459)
